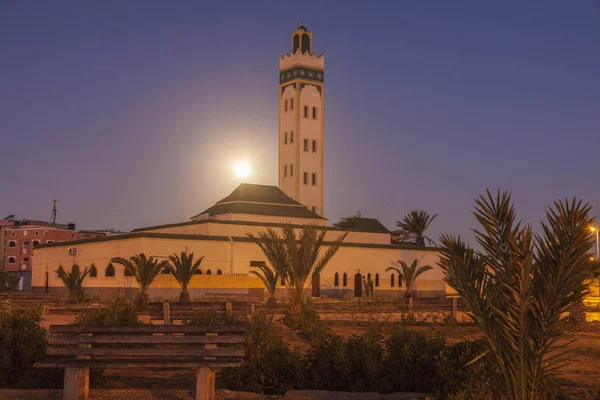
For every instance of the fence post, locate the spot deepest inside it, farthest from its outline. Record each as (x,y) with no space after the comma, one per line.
(167,313)
(251,308)
(454,310)
(228,308)
(410,305)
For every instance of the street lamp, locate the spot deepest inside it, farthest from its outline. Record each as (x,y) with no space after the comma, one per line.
(595,230)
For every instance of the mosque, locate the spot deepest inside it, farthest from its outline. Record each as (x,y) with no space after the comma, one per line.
(219,233)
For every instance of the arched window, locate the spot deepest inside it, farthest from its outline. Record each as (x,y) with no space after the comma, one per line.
(208,272)
(399,281)
(110,271)
(219,272)
(305,43)
(336,279)
(345,280)
(165,271)
(127,272)
(296,42)
(392,280)
(369,277)
(376,280)
(93,271)
(198,272)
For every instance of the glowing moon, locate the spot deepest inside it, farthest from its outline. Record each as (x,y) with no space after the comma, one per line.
(241,169)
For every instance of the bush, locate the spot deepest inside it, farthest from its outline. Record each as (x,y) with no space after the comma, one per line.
(270,366)
(307,322)
(210,318)
(24,341)
(119,312)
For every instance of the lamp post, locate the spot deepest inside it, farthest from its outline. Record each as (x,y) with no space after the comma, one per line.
(595,230)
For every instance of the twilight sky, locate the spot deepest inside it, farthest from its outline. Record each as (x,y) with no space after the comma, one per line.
(132,113)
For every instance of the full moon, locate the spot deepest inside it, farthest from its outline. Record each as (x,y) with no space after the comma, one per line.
(241,169)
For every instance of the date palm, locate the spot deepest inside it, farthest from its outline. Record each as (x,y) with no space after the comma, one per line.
(520,287)
(144,269)
(183,269)
(296,258)
(269,277)
(73,281)
(408,274)
(413,227)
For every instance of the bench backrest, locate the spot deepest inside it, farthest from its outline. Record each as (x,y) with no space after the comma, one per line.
(171,343)
(181,311)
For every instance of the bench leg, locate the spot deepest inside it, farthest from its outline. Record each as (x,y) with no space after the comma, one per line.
(77,383)
(205,384)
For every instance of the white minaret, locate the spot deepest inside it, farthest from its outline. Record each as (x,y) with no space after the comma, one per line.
(301,122)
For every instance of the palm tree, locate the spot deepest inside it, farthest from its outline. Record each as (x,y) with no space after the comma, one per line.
(408,274)
(520,286)
(348,222)
(297,258)
(413,227)
(144,270)
(183,269)
(269,277)
(73,281)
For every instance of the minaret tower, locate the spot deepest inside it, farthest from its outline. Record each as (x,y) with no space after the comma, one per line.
(301,122)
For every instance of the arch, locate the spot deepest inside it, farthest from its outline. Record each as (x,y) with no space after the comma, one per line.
(165,271)
(392,280)
(336,279)
(399,280)
(369,277)
(126,272)
(305,43)
(376,280)
(93,271)
(296,43)
(219,272)
(358,285)
(208,272)
(109,271)
(345,280)
(198,272)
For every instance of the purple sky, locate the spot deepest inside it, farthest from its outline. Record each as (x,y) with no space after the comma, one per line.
(131,113)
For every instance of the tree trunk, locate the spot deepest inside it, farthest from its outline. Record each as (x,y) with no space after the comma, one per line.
(184,296)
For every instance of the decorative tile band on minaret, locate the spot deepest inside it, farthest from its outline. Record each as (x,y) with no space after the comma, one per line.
(301,122)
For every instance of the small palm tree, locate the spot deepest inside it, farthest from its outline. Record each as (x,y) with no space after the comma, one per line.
(348,222)
(408,274)
(269,277)
(183,269)
(520,287)
(413,227)
(297,258)
(144,270)
(73,281)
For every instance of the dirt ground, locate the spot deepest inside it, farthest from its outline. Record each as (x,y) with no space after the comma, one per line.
(580,373)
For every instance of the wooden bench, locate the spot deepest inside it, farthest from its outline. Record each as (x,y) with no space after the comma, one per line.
(76,348)
(173,311)
(25,299)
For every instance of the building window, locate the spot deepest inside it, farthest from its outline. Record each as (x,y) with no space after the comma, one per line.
(12,243)
(285,171)
(257,263)
(165,271)
(198,272)
(305,111)
(345,280)
(219,272)
(314,146)
(314,112)
(11,260)
(25,259)
(50,241)
(392,278)
(208,272)
(376,280)
(306,178)
(37,233)
(305,144)
(291,136)
(314,179)
(291,104)
(314,209)
(399,281)
(284,137)
(26,245)
(93,271)
(285,106)
(127,272)
(35,242)
(336,279)
(13,233)
(110,271)
(291,169)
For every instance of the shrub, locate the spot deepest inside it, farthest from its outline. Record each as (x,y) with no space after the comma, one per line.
(209,318)
(119,312)
(24,341)
(270,365)
(306,321)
